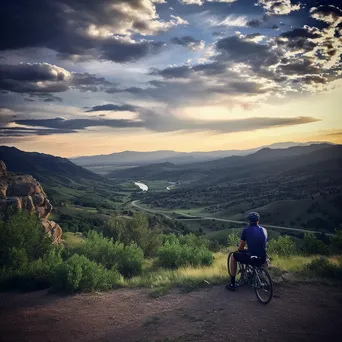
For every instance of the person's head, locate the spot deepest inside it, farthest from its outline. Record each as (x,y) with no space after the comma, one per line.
(253,218)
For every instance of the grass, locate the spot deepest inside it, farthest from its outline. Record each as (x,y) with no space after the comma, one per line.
(186,277)
(72,239)
(295,263)
(160,281)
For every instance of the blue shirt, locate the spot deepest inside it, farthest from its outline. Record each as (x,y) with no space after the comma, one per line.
(256,237)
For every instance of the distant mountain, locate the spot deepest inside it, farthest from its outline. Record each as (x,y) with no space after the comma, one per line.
(266,161)
(45,168)
(132,158)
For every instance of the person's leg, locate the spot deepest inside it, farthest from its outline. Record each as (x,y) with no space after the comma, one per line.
(233,267)
(237,257)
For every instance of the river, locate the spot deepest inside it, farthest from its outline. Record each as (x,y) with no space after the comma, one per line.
(142,186)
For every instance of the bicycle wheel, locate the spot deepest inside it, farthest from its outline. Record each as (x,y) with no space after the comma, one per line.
(263,285)
(239,267)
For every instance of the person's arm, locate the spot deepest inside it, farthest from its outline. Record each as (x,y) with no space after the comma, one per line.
(242,241)
(242,246)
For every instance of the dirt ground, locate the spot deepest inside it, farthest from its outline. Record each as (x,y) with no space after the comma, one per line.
(297,313)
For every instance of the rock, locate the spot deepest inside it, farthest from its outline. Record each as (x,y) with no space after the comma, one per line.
(25,192)
(53,229)
(3,169)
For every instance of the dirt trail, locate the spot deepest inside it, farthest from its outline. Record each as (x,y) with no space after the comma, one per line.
(297,313)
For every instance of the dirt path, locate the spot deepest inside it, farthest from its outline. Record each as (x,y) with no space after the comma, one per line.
(298,313)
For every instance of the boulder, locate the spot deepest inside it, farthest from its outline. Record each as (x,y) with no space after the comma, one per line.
(3,169)
(25,192)
(53,229)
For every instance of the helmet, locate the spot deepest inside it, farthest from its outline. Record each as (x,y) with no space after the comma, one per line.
(253,217)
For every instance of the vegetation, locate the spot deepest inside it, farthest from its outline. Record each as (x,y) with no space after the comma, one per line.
(78,273)
(120,257)
(184,251)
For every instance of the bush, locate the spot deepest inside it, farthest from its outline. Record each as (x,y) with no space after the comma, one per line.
(174,255)
(312,245)
(233,238)
(136,231)
(78,273)
(283,246)
(336,241)
(27,255)
(32,275)
(323,268)
(22,238)
(127,259)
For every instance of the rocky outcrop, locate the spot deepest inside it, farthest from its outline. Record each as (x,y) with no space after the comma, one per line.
(25,192)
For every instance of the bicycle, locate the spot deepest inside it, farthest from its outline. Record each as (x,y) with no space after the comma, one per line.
(256,276)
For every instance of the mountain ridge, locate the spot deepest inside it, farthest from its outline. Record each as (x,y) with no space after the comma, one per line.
(45,168)
(134,158)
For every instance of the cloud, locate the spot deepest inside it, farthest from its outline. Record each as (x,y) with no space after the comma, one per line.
(201,2)
(183,71)
(238,49)
(96,29)
(228,21)
(41,79)
(254,23)
(279,7)
(112,107)
(25,132)
(151,120)
(189,42)
(79,124)
(330,14)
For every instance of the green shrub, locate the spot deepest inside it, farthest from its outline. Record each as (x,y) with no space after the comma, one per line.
(22,234)
(323,268)
(79,274)
(336,242)
(233,238)
(31,275)
(312,245)
(135,231)
(283,246)
(174,254)
(127,259)
(27,255)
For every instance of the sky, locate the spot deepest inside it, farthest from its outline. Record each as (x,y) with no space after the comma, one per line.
(85,77)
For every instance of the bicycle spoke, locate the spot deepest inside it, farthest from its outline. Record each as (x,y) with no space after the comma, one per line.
(263,286)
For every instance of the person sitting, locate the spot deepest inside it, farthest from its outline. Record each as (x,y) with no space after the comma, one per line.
(256,238)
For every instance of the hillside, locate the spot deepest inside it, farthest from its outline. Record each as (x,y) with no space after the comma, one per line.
(261,162)
(45,168)
(133,158)
(304,183)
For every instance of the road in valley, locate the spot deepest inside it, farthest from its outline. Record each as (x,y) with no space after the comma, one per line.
(198,218)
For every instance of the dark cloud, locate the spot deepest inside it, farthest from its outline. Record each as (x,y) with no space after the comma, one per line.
(300,32)
(188,42)
(97,29)
(124,51)
(299,67)
(112,107)
(79,124)
(173,72)
(24,131)
(42,79)
(237,50)
(254,23)
(166,123)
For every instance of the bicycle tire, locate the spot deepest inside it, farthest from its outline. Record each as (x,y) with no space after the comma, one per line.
(230,255)
(270,287)
(238,267)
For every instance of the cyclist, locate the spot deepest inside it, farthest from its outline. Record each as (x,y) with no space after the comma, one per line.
(256,238)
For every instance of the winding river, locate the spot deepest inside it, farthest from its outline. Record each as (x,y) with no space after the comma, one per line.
(142,186)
